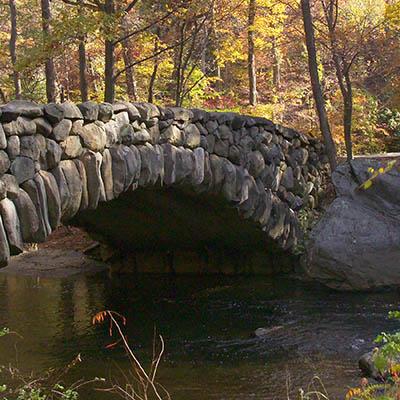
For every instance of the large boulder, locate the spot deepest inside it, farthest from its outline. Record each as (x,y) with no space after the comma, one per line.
(356,244)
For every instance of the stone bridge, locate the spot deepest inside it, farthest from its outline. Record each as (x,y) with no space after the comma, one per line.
(152,179)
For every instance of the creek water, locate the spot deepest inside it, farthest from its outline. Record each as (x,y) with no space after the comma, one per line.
(207,324)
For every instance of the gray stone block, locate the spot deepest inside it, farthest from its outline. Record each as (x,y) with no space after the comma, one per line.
(94,136)
(12,227)
(13,147)
(53,198)
(29,221)
(89,110)
(23,169)
(71,147)
(71,111)
(53,153)
(119,170)
(54,113)
(105,112)
(43,126)
(61,130)
(29,147)
(11,186)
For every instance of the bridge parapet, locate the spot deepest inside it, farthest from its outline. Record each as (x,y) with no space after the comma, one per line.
(57,160)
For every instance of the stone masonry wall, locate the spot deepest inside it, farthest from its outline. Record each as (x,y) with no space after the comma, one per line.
(58,159)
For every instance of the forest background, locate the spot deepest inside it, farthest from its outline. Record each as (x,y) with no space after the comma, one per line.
(246,56)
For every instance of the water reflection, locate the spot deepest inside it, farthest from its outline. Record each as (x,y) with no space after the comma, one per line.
(207,324)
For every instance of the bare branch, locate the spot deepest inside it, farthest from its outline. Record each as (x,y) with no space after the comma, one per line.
(148,58)
(79,3)
(145,28)
(130,6)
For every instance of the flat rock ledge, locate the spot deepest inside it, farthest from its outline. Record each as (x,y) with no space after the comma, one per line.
(52,263)
(356,244)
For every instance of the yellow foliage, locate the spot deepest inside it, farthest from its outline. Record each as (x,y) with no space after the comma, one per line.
(367,184)
(353,392)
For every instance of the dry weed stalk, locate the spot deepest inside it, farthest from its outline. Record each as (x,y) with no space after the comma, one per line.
(141,385)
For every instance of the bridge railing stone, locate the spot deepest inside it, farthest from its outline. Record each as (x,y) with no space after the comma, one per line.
(59,159)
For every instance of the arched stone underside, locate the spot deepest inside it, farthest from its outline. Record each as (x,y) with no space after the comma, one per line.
(152,178)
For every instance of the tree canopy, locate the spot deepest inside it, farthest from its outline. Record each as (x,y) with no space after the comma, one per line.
(247,56)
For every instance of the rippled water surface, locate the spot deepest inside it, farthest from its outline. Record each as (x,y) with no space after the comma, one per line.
(207,324)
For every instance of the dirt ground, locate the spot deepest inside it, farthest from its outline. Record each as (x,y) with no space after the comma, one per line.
(68,237)
(60,256)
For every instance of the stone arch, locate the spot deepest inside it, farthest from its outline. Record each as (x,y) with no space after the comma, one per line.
(56,161)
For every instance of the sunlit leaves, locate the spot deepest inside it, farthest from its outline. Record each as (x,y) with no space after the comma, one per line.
(374,174)
(4,331)
(367,184)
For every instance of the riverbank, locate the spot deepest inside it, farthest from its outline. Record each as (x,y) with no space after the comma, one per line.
(59,257)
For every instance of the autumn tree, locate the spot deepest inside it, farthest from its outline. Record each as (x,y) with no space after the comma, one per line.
(190,42)
(83,79)
(13,53)
(315,83)
(131,87)
(51,86)
(251,61)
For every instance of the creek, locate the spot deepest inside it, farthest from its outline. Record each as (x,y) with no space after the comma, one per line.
(207,324)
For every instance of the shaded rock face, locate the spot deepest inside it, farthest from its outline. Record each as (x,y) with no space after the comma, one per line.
(69,160)
(356,245)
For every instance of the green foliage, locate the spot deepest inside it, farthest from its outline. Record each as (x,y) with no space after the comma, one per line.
(387,357)
(29,392)
(4,331)
(386,361)
(28,387)
(308,218)
(390,120)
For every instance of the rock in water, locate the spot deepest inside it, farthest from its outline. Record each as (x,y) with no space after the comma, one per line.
(261,333)
(367,366)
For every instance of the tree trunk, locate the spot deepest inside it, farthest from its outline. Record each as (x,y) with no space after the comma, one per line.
(50,71)
(151,83)
(62,94)
(97,81)
(2,96)
(155,68)
(210,44)
(83,81)
(204,51)
(250,55)
(109,93)
(13,41)
(342,74)
(316,86)
(276,65)
(178,62)
(130,72)
(348,116)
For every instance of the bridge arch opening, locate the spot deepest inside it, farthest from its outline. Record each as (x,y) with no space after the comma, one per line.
(172,230)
